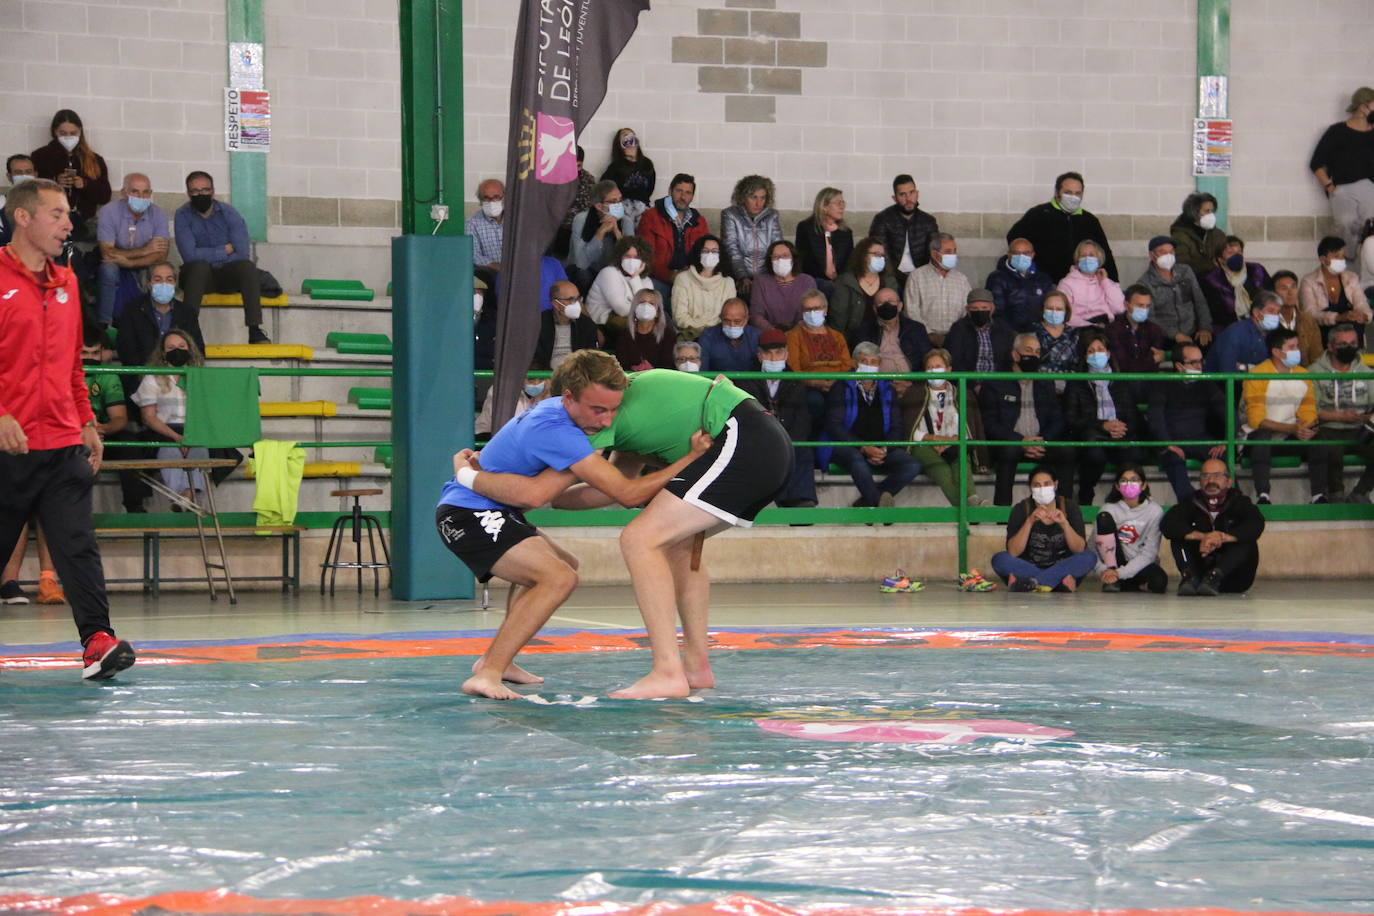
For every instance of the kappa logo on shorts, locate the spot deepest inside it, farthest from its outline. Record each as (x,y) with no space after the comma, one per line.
(492,523)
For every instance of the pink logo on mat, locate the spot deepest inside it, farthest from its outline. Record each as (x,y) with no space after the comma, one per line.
(557,150)
(913,731)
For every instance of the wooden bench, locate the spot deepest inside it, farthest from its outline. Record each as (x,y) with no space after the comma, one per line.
(152,535)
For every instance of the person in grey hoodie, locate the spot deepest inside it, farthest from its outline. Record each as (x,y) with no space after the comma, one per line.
(1127,539)
(1344,406)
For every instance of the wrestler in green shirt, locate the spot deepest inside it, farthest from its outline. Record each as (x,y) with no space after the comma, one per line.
(662,408)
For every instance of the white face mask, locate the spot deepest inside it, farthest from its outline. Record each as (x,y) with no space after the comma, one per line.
(782,267)
(773,365)
(1043,496)
(476,304)
(864,367)
(69,143)
(1207,221)
(937,382)
(17,180)
(1338,265)
(689,366)
(494,208)
(646,311)
(572,311)
(631,266)
(1167,261)
(1070,202)
(710,259)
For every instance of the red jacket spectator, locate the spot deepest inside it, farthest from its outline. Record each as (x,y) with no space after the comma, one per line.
(663,234)
(41,381)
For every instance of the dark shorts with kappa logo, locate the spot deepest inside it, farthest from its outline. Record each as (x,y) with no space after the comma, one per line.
(746,465)
(481,537)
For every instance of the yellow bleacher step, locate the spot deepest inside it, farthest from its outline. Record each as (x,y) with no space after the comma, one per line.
(297,409)
(236,299)
(322,469)
(259,351)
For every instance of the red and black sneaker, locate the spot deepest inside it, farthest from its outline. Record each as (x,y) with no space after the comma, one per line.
(105,656)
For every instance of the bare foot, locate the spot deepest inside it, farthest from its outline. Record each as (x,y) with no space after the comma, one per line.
(1070,583)
(490,686)
(513,673)
(700,676)
(654,686)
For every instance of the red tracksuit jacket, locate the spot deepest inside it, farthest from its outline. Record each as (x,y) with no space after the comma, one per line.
(41,382)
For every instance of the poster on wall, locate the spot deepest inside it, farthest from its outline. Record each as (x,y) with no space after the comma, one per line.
(1212,146)
(245,65)
(247,121)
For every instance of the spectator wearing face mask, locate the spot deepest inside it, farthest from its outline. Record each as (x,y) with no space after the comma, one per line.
(1136,343)
(1027,411)
(1101,410)
(532,392)
(162,403)
(1096,298)
(856,288)
(700,291)
(902,343)
(730,344)
(1057,338)
(1177,299)
(937,293)
(612,294)
(1018,286)
(216,252)
(778,289)
(749,227)
(785,399)
(1054,229)
(1296,318)
(632,171)
(687,356)
(595,233)
(564,327)
(860,410)
(1282,408)
(812,346)
(1233,284)
(979,342)
(672,227)
(648,342)
(1192,411)
(69,160)
(486,227)
(142,324)
(1196,236)
(1332,293)
(1344,405)
(133,233)
(935,431)
(18,169)
(1242,344)
(1127,541)
(1046,546)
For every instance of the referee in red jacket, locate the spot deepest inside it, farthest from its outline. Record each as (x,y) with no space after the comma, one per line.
(49,447)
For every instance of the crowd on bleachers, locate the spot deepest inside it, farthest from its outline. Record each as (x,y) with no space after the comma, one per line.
(649,280)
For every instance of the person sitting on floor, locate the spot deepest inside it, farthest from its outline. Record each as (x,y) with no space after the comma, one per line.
(1214,536)
(1128,536)
(1046,547)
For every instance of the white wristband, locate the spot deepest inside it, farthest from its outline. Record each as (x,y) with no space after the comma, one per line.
(467,476)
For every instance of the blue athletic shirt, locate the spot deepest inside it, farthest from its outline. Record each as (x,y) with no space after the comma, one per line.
(542,437)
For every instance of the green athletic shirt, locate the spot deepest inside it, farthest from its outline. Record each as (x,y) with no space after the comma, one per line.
(662,409)
(105,391)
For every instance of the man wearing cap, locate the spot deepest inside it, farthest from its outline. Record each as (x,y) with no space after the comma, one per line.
(1178,305)
(980,341)
(1341,163)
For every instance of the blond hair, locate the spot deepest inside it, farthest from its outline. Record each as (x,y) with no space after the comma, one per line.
(584,368)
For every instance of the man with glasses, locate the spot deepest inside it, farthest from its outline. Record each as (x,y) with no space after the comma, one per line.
(1189,411)
(1214,535)
(565,327)
(485,226)
(133,235)
(216,253)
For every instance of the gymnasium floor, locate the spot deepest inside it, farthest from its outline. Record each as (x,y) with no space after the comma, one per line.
(861,752)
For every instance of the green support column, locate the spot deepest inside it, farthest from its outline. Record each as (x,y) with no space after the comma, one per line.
(248,171)
(431,317)
(1214,59)
(431,115)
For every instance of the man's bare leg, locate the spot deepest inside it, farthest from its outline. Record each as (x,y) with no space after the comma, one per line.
(693,592)
(645,544)
(515,674)
(547,582)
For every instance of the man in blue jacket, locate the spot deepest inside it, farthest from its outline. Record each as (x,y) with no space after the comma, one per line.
(1242,344)
(865,411)
(1018,286)
(216,253)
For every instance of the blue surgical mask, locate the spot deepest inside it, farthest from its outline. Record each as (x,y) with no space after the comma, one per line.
(949,261)
(773,365)
(1098,361)
(669,208)
(617,210)
(1139,315)
(1053,317)
(1020,263)
(534,391)
(734,333)
(139,204)
(1292,357)
(814,318)
(1089,265)
(1269,322)
(877,264)
(163,292)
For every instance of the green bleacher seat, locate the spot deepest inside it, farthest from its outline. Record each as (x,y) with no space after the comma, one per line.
(370,344)
(370,398)
(352,290)
(383,456)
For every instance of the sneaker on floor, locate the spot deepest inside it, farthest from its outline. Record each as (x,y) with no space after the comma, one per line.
(1263,500)
(256,336)
(1024,585)
(1046,589)
(973,581)
(49,592)
(105,656)
(900,583)
(1210,585)
(11,593)
(1187,587)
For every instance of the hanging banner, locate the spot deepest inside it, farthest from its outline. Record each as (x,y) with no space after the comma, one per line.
(247,121)
(564,50)
(1212,146)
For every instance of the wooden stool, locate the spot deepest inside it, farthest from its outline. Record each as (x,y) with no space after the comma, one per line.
(336,538)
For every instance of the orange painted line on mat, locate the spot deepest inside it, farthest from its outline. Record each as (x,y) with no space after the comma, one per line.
(324,649)
(213,903)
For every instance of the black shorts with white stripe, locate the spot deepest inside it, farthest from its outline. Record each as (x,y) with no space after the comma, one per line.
(746,465)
